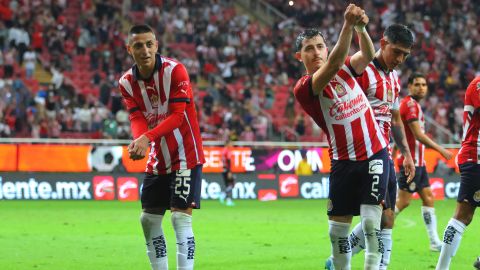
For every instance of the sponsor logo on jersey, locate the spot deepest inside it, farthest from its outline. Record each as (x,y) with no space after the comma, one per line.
(182,84)
(288,184)
(345,109)
(153,119)
(375,166)
(103,188)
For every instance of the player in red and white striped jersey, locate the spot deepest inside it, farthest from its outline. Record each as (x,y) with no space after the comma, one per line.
(469,193)
(381,86)
(413,119)
(330,94)
(470,150)
(159,97)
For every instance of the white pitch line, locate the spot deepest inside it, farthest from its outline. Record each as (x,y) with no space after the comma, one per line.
(408,223)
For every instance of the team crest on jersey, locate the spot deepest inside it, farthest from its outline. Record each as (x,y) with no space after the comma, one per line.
(389,95)
(476,196)
(154,100)
(341,91)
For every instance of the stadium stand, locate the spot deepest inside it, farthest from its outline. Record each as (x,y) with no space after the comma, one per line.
(61,60)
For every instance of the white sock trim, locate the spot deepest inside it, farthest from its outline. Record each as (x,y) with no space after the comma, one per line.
(457,224)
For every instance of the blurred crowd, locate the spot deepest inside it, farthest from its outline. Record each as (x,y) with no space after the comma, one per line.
(242,70)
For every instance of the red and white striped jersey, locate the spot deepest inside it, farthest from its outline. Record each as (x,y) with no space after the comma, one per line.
(178,150)
(410,110)
(343,112)
(471,125)
(382,89)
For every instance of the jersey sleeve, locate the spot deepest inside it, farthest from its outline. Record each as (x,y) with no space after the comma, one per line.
(128,99)
(472,96)
(180,88)
(364,82)
(352,70)
(396,104)
(410,111)
(138,123)
(303,89)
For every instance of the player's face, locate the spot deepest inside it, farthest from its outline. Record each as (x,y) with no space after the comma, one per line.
(313,53)
(418,88)
(142,47)
(393,54)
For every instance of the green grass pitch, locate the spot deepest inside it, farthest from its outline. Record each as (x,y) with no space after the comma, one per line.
(286,234)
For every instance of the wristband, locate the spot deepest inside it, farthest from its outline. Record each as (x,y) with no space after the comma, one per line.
(360,29)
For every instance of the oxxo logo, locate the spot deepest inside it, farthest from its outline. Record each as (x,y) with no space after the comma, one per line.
(288,185)
(127,189)
(103,188)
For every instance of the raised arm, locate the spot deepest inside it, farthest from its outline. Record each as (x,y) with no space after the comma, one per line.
(362,58)
(339,54)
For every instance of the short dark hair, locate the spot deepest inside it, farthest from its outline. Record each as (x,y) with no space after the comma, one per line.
(399,34)
(307,34)
(415,75)
(139,29)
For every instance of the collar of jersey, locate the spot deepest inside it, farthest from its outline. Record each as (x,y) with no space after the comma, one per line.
(379,66)
(136,72)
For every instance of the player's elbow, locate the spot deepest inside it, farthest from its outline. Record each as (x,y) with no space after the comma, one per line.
(335,66)
(177,118)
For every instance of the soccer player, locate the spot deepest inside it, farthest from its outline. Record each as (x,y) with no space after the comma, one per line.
(330,94)
(159,98)
(228,177)
(382,87)
(469,193)
(476,264)
(414,122)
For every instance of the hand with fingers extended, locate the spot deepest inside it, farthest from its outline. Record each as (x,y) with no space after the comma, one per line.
(138,148)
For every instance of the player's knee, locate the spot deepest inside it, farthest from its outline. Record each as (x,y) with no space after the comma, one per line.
(402,205)
(388,218)
(149,221)
(181,220)
(371,217)
(465,218)
(155,211)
